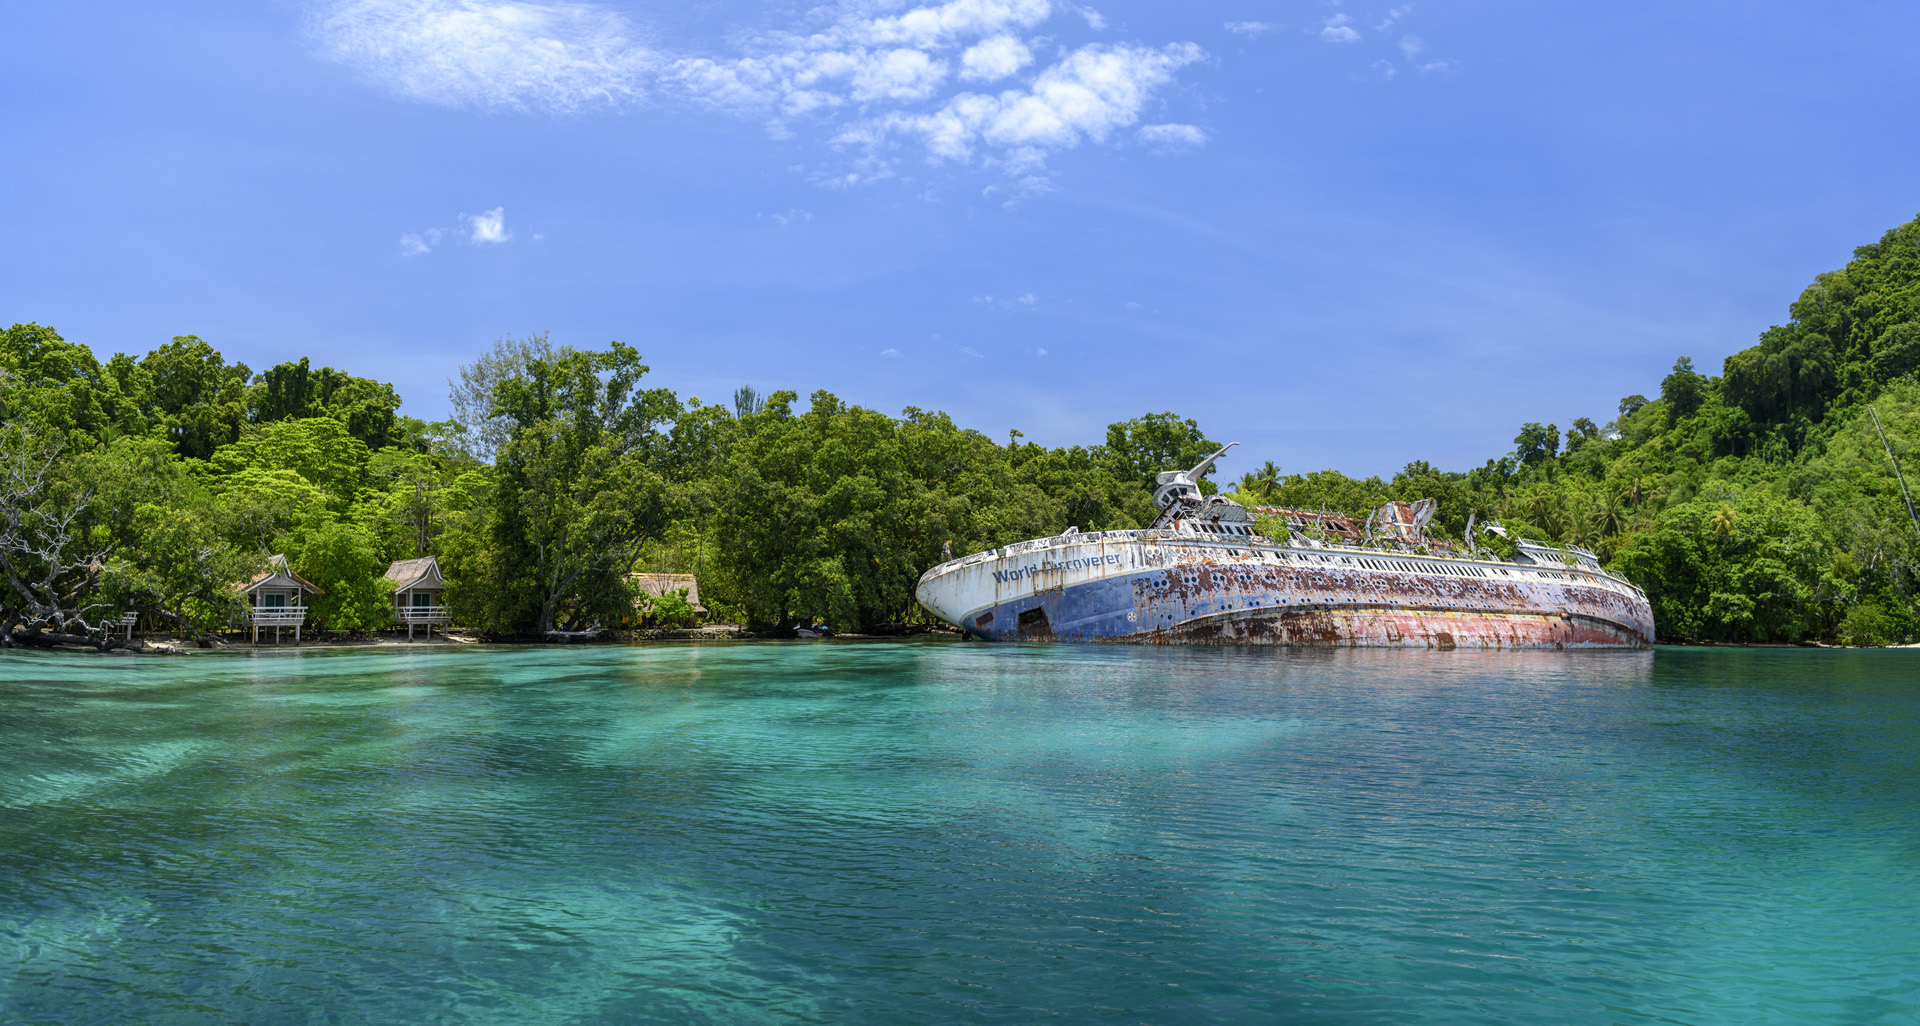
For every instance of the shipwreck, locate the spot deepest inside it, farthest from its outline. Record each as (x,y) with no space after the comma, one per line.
(1210,571)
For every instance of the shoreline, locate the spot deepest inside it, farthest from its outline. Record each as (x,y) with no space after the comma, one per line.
(159,643)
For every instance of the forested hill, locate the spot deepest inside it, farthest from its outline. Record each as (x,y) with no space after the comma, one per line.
(1756,505)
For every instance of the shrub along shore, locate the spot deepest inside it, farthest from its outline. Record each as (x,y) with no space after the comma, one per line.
(1754,506)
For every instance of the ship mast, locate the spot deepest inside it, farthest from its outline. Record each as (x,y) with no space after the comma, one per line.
(1177,487)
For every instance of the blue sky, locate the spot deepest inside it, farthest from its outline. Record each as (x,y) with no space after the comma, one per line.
(1342,234)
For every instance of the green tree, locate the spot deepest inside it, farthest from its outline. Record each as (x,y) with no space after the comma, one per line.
(367,409)
(198,400)
(1535,445)
(1138,449)
(576,493)
(60,386)
(182,571)
(342,560)
(1683,390)
(319,449)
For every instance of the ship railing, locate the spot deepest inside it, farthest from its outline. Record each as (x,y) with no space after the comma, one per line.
(277,616)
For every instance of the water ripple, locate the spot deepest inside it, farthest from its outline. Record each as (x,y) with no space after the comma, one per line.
(951,832)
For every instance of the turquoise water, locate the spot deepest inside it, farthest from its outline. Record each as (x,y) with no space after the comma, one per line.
(943,832)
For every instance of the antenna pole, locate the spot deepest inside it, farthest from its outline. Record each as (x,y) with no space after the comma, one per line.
(1902,478)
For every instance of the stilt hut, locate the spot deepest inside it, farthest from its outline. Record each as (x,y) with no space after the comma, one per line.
(662,585)
(419,594)
(277,599)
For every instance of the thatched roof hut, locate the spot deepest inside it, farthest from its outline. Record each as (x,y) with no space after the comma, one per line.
(662,585)
(419,593)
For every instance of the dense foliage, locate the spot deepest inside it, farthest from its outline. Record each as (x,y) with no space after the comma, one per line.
(1756,505)
(154,484)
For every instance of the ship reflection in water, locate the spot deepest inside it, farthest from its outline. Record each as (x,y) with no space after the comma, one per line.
(1204,573)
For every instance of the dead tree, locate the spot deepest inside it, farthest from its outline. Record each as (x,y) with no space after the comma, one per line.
(51,572)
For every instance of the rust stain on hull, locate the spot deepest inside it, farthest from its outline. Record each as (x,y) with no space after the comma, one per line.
(1444,630)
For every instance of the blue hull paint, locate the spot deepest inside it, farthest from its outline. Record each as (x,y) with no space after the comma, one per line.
(1180,592)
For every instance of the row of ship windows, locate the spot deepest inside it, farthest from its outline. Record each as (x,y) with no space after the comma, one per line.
(1405,566)
(1212,528)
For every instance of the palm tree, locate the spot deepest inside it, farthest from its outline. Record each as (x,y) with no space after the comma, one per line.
(1722,522)
(1259,484)
(1610,514)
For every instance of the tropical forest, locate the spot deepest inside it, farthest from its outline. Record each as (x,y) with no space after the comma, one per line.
(1759,504)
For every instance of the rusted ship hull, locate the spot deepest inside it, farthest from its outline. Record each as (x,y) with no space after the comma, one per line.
(1168,587)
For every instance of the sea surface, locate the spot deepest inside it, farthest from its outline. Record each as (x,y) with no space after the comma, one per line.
(946,832)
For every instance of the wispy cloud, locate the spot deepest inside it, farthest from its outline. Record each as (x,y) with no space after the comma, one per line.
(417,243)
(1173,137)
(794,216)
(1251,29)
(1413,47)
(485,229)
(1027,299)
(877,74)
(560,56)
(1337,29)
(1392,16)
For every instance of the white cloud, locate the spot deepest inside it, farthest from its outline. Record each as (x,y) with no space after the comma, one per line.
(488,227)
(1095,20)
(1411,46)
(1250,29)
(558,56)
(1027,299)
(897,75)
(927,26)
(1039,352)
(993,59)
(890,352)
(417,243)
(1386,69)
(968,350)
(1337,30)
(794,216)
(1086,95)
(1173,137)
(872,73)
(1394,15)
